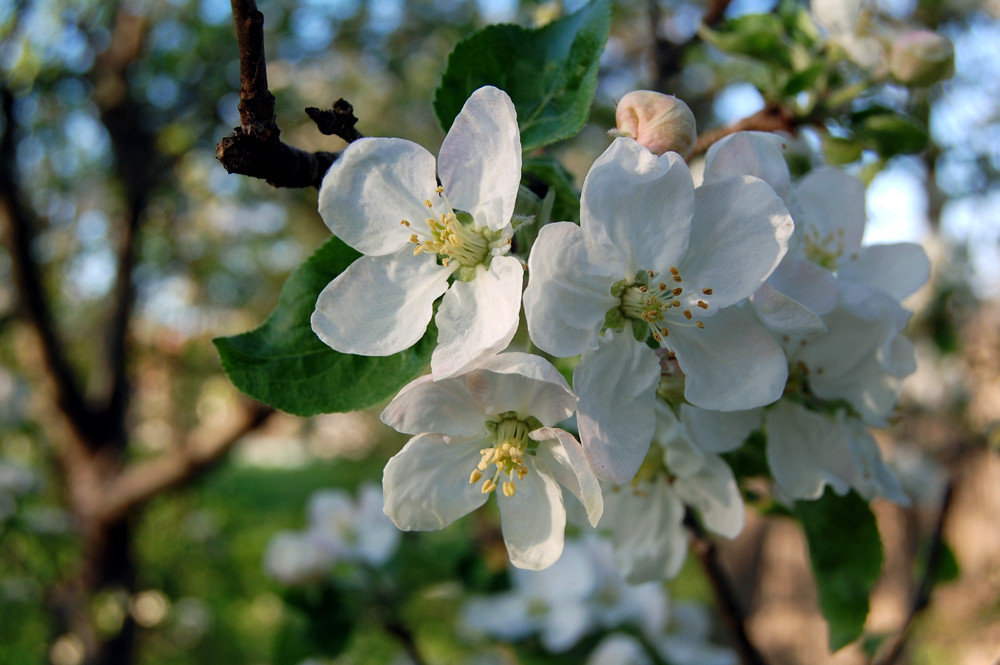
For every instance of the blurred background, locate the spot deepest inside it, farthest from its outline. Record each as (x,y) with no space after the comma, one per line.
(139,491)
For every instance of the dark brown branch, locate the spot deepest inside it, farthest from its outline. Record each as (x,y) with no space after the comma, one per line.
(666,55)
(768,119)
(19,223)
(254,148)
(202,449)
(339,120)
(725,595)
(922,596)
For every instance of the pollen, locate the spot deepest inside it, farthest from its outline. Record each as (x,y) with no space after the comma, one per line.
(707,291)
(700,324)
(702,304)
(687,314)
(404,222)
(679,290)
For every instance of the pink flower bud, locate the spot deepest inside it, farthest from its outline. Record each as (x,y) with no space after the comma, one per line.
(659,122)
(921,58)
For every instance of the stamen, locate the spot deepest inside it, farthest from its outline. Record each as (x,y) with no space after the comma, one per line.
(700,324)
(475,476)
(702,304)
(687,314)
(707,292)
(679,290)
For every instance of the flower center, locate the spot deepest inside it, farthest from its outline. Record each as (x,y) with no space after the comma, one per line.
(454,238)
(511,444)
(652,302)
(823,250)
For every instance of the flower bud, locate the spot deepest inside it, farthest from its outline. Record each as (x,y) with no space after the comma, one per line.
(659,122)
(921,58)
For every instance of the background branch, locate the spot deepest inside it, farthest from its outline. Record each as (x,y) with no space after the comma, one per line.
(769,119)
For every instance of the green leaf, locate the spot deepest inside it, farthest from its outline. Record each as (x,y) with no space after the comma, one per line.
(284,364)
(846,554)
(759,36)
(839,151)
(550,72)
(559,180)
(890,133)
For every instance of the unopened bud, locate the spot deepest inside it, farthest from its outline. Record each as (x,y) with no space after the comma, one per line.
(659,122)
(921,58)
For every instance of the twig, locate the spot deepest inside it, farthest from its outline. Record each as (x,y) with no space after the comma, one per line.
(339,120)
(768,119)
(666,55)
(200,451)
(922,596)
(254,148)
(708,556)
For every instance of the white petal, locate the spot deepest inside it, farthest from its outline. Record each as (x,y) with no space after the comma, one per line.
(426,484)
(874,478)
(833,204)
(533,520)
(617,388)
(731,364)
(639,204)
(478,319)
(811,285)
(380,305)
(750,153)
(443,407)
(647,531)
(837,16)
(564,627)
(569,290)
(718,431)
(565,459)
(899,269)
(506,616)
(739,235)
(373,185)
(480,159)
(524,383)
(806,450)
(712,491)
(784,315)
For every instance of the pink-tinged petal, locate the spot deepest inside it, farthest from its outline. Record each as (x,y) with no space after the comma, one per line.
(732,364)
(374,185)
(477,319)
(380,305)
(443,407)
(720,431)
(899,269)
(806,451)
(533,521)
(480,160)
(569,290)
(739,235)
(811,285)
(426,484)
(565,459)
(713,492)
(784,315)
(750,153)
(616,384)
(526,384)
(833,206)
(638,205)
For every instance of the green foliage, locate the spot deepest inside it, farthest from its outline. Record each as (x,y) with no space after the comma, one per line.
(846,554)
(283,363)
(560,181)
(888,132)
(550,72)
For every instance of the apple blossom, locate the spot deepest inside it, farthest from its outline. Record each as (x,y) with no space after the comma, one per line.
(490,427)
(382,198)
(654,257)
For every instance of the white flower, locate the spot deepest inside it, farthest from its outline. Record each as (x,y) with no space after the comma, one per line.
(381,197)
(490,427)
(654,256)
(645,519)
(847,23)
(296,558)
(350,531)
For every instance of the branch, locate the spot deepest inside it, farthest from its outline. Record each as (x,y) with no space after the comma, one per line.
(254,148)
(725,595)
(19,223)
(768,119)
(922,596)
(200,451)
(666,55)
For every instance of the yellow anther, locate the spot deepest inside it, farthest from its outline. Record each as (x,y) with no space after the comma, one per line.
(676,303)
(674,271)
(707,292)
(702,304)
(522,471)
(427,202)
(414,239)
(700,324)
(489,486)
(508,488)
(663,287)
(678,291)
(650,273)
(664,332)
(657,337)
(687,314)
(439,189)
(404,222)
(677,278)
(475,476)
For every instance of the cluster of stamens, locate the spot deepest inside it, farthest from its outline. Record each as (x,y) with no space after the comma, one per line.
(645,299)
(451,238)
(507,455)
(824,250)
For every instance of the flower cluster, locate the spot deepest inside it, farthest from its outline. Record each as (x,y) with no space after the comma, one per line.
(695,315)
